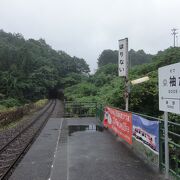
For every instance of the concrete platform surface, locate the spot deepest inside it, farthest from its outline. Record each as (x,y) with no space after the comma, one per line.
(36,164)
(80,149)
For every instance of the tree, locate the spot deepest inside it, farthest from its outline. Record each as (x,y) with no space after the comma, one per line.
(30,68)
(81,65)
(108,56)
(139,57)
(135,57)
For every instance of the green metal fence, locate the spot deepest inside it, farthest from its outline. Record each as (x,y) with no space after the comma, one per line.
(174,148)
(174,145)
(174,142)
(100,112)
(80,109)
(92,109)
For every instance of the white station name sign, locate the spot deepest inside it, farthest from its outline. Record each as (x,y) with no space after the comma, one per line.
(169,88)
(123,57)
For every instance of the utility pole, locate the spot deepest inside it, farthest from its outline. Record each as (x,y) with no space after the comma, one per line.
(174,32)
(176,41)
(127,79)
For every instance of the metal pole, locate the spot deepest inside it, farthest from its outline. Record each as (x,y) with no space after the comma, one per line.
(174,35)
(127,94)
(176,41)
(126,78)
(127,102)
(166,145)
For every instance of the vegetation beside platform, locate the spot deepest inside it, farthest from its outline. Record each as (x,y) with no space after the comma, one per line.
(12,115)
(108,89)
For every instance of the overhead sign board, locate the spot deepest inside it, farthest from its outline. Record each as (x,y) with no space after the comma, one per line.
(169,88)
(123,57)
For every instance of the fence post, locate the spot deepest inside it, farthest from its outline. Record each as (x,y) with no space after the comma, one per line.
(160,146)
(166,145)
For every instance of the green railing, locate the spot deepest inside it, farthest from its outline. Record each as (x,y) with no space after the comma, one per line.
(174,148)
(92,109)
(80,109)
(174,145)
(174,142)
(100,112)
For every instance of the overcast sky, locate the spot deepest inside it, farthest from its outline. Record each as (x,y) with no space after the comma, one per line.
(84,28)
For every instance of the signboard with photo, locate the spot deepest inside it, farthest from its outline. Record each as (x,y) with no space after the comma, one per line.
(146,131)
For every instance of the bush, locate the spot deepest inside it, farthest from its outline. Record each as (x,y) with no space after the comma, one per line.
(11,102)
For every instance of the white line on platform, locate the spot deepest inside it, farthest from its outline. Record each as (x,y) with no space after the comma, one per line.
(67,158)
(60,128)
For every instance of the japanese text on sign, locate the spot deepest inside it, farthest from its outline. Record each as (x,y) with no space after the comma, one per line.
(123,57)
(169,88)
(120,122)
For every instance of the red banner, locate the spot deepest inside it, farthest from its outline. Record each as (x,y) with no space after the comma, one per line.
(120,122)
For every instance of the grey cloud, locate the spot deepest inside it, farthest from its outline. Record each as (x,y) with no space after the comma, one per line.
(85,28)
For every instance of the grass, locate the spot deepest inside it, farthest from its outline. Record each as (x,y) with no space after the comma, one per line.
(5,109)
(39,104)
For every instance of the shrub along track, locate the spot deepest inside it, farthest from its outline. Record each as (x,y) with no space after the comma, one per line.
(14,148)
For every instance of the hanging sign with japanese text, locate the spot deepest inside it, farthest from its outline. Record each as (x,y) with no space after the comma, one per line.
(120,122)
(169,88)
(123,57)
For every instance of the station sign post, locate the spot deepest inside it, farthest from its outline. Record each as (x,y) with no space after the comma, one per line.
(123,66)
(169,99)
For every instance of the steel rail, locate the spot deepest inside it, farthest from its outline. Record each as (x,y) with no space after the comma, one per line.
(27,145)
(24,129)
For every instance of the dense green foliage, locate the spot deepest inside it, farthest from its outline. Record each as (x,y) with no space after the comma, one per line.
(108,56)
(106,87)
(29,68)
(135,57)
(139,57)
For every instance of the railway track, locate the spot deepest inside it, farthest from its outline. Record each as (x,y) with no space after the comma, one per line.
(14,149)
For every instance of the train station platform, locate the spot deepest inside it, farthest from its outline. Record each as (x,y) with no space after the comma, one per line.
(80,149)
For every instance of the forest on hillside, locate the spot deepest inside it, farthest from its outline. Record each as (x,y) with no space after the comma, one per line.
(107,88)
(135,57)
(29,69)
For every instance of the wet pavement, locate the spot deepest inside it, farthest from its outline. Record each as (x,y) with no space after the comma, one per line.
(36,164)
(81,150)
